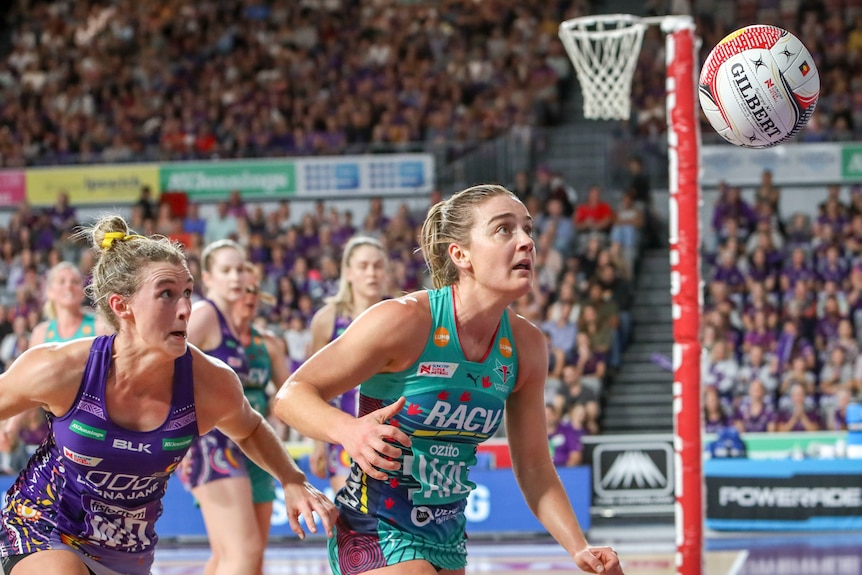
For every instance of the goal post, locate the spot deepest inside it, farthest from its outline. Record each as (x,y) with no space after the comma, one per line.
(596,43)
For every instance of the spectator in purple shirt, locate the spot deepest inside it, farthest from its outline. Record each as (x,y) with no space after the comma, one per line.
(727,271)
(760,270)
(759,301)
(758,366)
(760,334)
(826,329)
(792,345)
(714,415)
(730,205)
(564,441)
(831,216)
(832,267)
(799,414)
(796,271)
(799,232)
(755,412)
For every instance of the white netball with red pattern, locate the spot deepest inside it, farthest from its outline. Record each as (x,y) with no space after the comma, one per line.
(759,86)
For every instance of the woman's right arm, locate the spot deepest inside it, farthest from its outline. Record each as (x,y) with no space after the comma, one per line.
(45,376)
(388,337)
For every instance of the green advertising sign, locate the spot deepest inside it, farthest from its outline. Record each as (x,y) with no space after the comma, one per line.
(215,180)
(851,162)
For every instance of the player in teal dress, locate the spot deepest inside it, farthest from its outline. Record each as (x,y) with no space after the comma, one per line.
(438,369)
(267,364)
(64,319)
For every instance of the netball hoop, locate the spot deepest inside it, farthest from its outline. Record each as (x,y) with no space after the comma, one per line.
(604,50)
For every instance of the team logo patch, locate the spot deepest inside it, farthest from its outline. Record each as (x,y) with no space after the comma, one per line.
(503,371)
(421,516)
(441,337)
(505,347)
(84,460)
(176,443)
(87,430)
(437,369)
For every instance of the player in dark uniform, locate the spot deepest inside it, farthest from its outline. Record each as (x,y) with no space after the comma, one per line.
(437,370)
(124,409)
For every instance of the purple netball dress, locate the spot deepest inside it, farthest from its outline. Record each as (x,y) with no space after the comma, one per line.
(337,460)
(95,488)
(213,456)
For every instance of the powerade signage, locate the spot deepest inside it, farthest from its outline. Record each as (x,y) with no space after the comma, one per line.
(634,473)
(787,494)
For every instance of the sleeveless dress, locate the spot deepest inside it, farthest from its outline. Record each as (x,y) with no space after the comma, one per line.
(453,404)
(95,488)
(337,460)
(87,328)
(254,386)
(214,456)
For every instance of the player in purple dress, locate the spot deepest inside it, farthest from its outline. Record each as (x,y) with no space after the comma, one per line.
(214,469)
(363,283)
(124,409)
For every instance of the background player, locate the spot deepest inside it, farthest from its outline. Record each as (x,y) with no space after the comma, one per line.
(363,283)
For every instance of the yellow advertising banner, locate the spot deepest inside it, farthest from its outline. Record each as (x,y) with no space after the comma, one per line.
(97,184)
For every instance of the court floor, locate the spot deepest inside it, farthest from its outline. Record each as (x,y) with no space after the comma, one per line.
(642,550)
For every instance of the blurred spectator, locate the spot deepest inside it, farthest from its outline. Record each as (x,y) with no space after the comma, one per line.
(561,331)
(145,204)
(15,343)
(758,366)
(720,371)
(626,231)
(756,412)
(563,440)
(595,216)
(573,392)
(715,417)
(798,414)
(589,365)
(298,339)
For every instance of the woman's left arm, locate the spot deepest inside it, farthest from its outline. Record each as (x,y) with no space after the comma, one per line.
(531,461)
(220,403)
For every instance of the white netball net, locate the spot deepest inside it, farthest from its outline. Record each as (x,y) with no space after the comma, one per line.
(604,50)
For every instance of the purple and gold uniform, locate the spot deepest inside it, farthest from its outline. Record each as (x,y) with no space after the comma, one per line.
(213,456)
(95,488)
(337,460)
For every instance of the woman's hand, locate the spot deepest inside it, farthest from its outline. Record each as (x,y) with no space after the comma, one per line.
(302,498)
(370,441)
(602,560)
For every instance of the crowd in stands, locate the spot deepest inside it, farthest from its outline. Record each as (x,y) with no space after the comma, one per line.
(113,81)
(783,312)
(581,298)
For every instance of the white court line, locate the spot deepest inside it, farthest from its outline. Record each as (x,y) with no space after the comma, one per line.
(739,563)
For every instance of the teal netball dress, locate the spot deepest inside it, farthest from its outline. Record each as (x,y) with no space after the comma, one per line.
(452,405)
(254,386)
(87,328)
